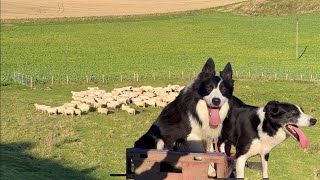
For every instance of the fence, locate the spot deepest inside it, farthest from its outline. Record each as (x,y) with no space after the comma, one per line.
(29,80)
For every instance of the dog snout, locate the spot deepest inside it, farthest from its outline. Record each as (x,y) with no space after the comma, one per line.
(313,121)
(216,101)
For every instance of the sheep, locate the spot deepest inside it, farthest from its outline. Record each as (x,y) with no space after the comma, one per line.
(128,88)
(102,110)
(139,90)
(147,88)
(161,104)
(77,98)
(123,100)
(84,108)
(60,109)
(112,105)
(124,107)
(140,103)
(68,110)
(131,111)
(75,102)
(93,88)
(77,112)
(70,105)
(51,111)
(96,105)
(149,94)
(137,99)
(144,97)
(151,103)
(40,107)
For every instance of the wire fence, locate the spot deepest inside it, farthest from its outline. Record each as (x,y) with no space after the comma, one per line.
(32,80)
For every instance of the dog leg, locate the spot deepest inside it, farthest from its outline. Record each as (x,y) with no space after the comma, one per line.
(240,164)
(264,161)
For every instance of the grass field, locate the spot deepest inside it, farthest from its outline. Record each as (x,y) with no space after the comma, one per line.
(161,44)
(36,146)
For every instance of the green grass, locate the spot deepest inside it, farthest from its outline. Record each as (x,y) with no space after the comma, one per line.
(147,44)
(36,146)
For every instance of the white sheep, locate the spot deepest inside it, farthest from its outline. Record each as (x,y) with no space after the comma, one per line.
(68,111)
(140,103)
(112,105)
(161,104)
(52,111)
(77,112)
(124,107)
(93,88)
(84,108)
(40,107)
(131,111)
(137,99)
(102,110)
(123,100)
(67,105)
(151,103)
(60,109)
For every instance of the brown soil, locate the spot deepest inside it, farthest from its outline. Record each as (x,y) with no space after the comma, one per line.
(20,9)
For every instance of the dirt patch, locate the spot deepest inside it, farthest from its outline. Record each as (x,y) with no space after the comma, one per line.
(20,9)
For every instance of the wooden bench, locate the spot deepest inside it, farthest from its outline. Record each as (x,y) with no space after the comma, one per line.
(157,164)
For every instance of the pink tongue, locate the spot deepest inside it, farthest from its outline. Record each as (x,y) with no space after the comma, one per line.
(214,117)
(304,142)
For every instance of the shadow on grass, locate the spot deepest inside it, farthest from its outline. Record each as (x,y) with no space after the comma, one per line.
(16,163)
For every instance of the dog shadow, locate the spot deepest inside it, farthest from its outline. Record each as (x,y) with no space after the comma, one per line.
(16,163)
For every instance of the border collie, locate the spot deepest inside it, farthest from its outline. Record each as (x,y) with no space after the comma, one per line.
(256,130)
(194,119)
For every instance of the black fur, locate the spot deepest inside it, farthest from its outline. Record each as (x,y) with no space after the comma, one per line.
(174,123)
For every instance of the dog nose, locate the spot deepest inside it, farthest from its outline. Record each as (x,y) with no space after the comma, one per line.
(313,122)
(216,101)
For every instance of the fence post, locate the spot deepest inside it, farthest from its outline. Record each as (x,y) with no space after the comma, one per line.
(121,78)
(237,75)
(301,77)
(262,75)
(297,39)
(311,77)
(31,83)
(275,76)
(51,80)
(181,74)
(102,78)
(286,77)
(249,75)
(137,76)
(154,76)
(134,76)
(67,79)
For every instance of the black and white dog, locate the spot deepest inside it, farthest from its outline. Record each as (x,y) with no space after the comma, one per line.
(194,119)
(256,130)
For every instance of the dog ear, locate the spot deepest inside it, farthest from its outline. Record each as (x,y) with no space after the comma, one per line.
(208,69)
(226,74)
(272,107)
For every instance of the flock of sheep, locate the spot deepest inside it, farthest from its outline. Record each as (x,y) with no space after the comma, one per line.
(119,98)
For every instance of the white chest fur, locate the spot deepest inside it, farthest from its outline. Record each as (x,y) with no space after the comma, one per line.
(206,132)
(265,143)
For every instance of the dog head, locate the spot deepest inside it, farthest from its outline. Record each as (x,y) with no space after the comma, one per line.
(290,117)
(215,90)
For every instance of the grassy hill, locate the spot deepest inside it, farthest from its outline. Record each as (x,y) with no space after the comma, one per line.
(273,7)
(159,44)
